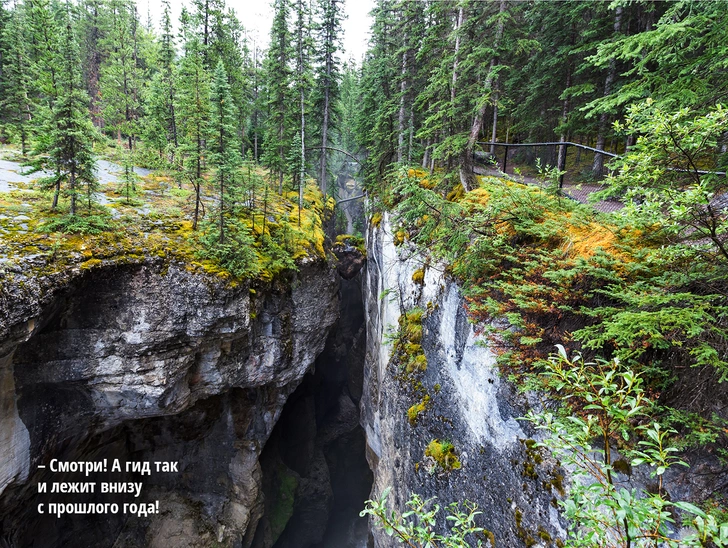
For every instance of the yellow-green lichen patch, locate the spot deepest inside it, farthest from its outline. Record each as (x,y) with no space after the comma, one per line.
(156,222)
(443,452)
(353,241)
(417,409)
(418,276)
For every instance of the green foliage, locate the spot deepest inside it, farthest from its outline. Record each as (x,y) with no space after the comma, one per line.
(65,147)
(224,149)
(121,76)
(279,130)
(537,260)
(78,224)
(607,417)
(665,177)
(418,525)
(235,253)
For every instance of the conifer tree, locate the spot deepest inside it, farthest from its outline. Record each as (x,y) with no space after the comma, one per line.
(281,101)
(121,75)
(374,127)
(194,109)
(224,150)
(303,81)
(167,56)
(90,34)
(17,77)
(328,77)
(65,147)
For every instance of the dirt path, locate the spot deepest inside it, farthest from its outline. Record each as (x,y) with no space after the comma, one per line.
(580,192)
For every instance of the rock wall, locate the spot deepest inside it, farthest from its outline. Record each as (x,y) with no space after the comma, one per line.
(470,405)
(151,362)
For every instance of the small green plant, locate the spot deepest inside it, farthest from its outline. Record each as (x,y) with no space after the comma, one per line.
(78,224)
(608,409)
(417,526)
(549,176)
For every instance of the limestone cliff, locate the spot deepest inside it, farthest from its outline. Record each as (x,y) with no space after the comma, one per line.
(462,400)
(149,362)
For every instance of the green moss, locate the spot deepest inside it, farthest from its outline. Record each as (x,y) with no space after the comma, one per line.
(353,241)
(283,502)
(418,276)
(91,263)
(164,232)
(376,219)
(417,363)
(444,454)
(417,409)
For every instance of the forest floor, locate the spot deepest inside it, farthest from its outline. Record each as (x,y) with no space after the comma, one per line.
(580,192)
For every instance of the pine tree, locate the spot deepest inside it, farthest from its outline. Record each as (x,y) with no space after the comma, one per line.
(223,147)
(328,77)
(303,81)
(194,110)
(90,35)
(167,56)
(66,144)
(229,241)
(281,101)
(121,75)
(374,127)
(17,77)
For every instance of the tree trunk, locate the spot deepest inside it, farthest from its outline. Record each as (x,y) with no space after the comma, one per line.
(457,60)
(72,185)
(561,161)
(56,193)
(467,177)
(598,165)
(402,105)
(302,169)
(325,132)
(426,155)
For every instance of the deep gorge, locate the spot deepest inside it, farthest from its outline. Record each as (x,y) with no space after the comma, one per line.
(278,401)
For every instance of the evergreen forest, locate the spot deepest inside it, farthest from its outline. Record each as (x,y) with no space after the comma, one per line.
(601,280)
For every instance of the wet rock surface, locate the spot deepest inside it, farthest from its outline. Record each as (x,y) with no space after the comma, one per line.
(351,260)
(316,477)
(469,405)
(152,362)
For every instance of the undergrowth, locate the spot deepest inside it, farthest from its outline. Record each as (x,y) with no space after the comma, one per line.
(537,270)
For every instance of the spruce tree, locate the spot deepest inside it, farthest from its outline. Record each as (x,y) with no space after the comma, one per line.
(281,101)
(167,57)
(303,81)
(17,77)
(224,151)
(65,147)
(194,114)
(328,77)
(228,240)
(121,75)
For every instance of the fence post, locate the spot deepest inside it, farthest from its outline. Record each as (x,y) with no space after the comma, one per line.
(505,160)
(562,166)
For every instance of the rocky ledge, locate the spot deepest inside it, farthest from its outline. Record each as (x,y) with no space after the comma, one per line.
(150,362)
